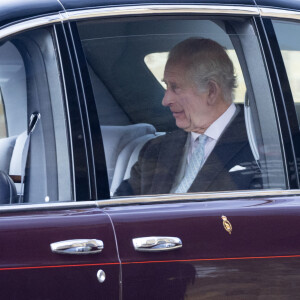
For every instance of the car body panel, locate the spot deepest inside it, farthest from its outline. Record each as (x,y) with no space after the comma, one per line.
(259,258)
(295,4)
(211,258)
(28,263)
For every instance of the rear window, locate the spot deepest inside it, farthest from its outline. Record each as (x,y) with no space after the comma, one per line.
(156,62)
(148,127)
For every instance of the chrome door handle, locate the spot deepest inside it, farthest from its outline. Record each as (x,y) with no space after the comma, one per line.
(80,246)
(156,243)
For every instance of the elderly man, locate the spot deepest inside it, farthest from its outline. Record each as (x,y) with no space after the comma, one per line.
(210,151)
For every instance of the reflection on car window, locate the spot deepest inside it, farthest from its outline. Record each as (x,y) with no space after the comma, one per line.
(185,135)
(32,165)
(290,50)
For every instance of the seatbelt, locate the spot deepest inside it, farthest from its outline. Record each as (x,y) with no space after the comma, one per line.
(34,118)
(250,131)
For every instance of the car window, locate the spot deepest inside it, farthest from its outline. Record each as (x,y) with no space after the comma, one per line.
(290,50)
(156,62)
(33,145)
(151,131)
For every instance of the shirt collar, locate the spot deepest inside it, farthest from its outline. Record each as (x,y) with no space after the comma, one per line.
(216,128)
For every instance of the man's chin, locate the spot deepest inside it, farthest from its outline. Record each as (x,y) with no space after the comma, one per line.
(183,126)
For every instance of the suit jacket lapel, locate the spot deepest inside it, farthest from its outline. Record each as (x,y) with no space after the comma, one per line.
(230,143)
(168,161)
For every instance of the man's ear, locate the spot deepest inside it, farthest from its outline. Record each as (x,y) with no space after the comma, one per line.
(213,92)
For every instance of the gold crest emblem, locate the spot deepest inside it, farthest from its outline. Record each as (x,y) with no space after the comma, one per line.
(226,224)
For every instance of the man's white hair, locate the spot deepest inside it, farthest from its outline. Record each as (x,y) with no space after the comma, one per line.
(204,61)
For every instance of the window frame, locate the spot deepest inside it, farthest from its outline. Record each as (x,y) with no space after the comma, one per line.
(148,9)
(290,113)
(77,162)
(287,176)
(73,101)
(285,107)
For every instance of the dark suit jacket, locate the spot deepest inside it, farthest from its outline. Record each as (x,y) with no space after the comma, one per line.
(158,162)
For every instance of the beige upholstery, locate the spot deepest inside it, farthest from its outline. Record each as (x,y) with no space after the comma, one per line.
(120,142)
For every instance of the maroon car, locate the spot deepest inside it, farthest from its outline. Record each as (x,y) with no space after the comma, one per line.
(80,103)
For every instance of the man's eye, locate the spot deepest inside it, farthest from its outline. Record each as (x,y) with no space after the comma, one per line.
(173,87)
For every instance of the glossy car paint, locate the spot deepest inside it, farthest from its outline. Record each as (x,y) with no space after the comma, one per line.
(259,259)
(30,270)
(281,4)
(14,10)
(263,249)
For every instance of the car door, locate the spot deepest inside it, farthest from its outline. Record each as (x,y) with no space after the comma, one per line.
(51,246)
(201,245)
(258,258)
(31,270)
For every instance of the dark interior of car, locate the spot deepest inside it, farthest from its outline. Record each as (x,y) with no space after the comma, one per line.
(127,94)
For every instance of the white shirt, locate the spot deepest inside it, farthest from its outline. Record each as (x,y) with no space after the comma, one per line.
(213,132)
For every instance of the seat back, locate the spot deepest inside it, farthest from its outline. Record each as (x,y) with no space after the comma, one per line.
(119,143)
(11,149)
(6,150)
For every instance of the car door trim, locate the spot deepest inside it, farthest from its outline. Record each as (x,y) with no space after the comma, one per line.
(58,266)
(65,16)
(151,262)
(211,259)
(166,198)
(48,206)
(142,10)
(21,26)
(279,13)
(162,9)
(79,14)
(151,199)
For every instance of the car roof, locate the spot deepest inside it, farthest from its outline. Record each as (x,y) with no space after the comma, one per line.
(286,4)
(15,10)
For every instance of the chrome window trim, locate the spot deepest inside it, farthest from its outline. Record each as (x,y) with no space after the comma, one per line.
(152,199)
(278,13)
(47,206)
(123,11)
(230,195)
(79,14)
(162,9)
(30,24)
(73,15)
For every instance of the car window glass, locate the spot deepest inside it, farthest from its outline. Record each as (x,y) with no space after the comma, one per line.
(290,50)
(33,150)
(146,129)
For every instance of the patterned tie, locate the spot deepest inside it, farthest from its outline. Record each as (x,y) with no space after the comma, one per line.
(194,166)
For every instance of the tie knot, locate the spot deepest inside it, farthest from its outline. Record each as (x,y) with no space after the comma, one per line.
(200,142)
(202,138)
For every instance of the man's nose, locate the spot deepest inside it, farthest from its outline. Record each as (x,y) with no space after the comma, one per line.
(167,99)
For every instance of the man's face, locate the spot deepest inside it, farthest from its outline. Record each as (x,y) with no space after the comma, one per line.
(189,106)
